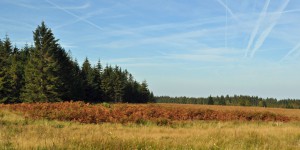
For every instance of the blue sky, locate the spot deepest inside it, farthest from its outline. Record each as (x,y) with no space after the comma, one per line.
(182,48)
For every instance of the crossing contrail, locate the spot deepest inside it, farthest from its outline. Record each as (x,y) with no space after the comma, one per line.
(255,30)
(266,32)
(228,10)
(74,15)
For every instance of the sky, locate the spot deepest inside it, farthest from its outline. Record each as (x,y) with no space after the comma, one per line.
(192,48)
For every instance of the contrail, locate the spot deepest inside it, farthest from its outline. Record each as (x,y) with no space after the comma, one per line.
(297,47)
(255,30)
(266,32)
(74,15)
(69,23)
(228,10)
(287,11)
(226,26)
(84,6)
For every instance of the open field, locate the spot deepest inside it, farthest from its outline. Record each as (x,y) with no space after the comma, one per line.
(76,125)
(18,132)
(161,114)
(293,113)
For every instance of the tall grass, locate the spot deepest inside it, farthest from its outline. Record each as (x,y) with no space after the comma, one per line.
(18,132)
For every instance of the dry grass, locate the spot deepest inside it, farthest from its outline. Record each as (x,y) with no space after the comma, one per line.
(161,114)
(17,132)
(294,113)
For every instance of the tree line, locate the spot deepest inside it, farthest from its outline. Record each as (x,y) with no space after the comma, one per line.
(236,100)
(45,72)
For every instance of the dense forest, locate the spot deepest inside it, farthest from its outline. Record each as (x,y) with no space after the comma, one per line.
(235,100)
(45,72)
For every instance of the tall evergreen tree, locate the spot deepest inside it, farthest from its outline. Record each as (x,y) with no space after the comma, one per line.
(119,79)
(222,100)
(77,84)
(106,84)
(90,87)
(5,77)
(210,100)
(67,73)
(144,93)
(97,71)
(42,80)
(16,73)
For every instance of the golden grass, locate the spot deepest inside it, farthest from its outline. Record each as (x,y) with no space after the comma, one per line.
(295,113)
(16,132)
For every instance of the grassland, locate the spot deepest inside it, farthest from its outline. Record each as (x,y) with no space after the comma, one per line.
(20,131)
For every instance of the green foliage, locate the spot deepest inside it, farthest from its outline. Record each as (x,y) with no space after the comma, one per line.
(232,101)
(105,104)
(262,103)
(6,85)
(42,80)
(210,100)
(45,72)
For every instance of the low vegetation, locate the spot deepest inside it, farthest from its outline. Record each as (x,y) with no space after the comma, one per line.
(161,114)
(19,132)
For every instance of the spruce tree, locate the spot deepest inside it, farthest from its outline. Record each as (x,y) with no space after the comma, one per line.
(5,77)
(97,71)
(144,93)
(42,80)
(77,84)
(16,73)
(67,73)
(210,100)
(107,84)
(119,79)
(88,76)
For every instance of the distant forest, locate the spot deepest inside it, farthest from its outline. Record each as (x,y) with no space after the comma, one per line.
(45,72)
(235,100)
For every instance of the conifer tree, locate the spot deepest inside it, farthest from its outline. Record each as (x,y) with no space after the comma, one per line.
(119,79)
(67,74)
(77,84)
(144,92)
(45,72)
(210,100)
(97,71)
(88,76)
(222,100)
(16,73)
(42,80)
(5,77)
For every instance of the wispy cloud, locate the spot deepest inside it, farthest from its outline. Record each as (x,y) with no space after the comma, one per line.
(18,23)
(83,6)
(286,11)
(189,33)
(292,51)
(229,10)
(266,32)
(22,3)
(206,54)
(89,15)
(74,15)
(201,58)
(255,30)
(131,59)
(67,45)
